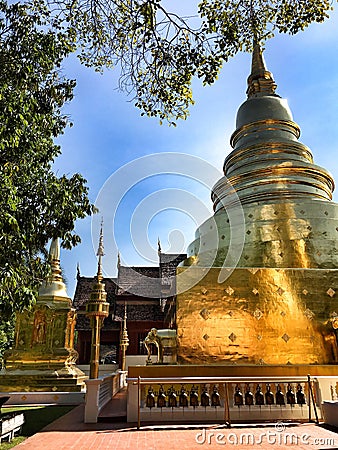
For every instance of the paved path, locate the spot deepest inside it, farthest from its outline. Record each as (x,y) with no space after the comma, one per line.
(69,432)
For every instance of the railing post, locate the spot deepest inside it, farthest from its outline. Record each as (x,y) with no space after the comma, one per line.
(123,378)
(138,402)
(92,400)
(226,406)
(309,396)
(313,400)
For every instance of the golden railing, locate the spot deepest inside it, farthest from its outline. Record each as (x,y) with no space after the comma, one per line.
(230,381)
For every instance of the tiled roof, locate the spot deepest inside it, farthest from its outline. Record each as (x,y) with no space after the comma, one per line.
(172,258)
(82,322)
(141,287)
(144,312)
(140,281)
(151,312)
(81,297)
(84,287)
(168,264)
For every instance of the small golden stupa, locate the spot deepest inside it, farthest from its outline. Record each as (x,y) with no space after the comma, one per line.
(260,285)
(43,356)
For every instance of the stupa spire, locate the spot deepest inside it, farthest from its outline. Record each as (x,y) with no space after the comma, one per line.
(54,258)
(260,81)
(54,285)
(54,251)
(268,163)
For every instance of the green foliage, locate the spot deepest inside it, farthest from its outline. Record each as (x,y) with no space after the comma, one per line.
(6,335)
(235,23)
(159,51)
(35,204)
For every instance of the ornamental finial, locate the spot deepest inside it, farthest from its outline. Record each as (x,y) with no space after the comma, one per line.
(53,285)
(100,253)
(54,258)
(260,81)
(100,250)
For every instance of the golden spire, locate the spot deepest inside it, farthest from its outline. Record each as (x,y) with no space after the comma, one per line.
(260,81)
(54,285)
(125,333)
(97,309)
(54,258)
(100,253)
(124,339)
(54,250)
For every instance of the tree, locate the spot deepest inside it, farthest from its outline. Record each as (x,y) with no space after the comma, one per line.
(35,204)
(159,52)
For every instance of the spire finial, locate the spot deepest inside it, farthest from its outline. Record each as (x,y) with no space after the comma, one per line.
(124,338)
(118,260)
(100,250)
(100,253)
(78,272)
(159,249)
(260,81)
(258,66)
(97,308)
(125,316)
(54,258)
(53,285)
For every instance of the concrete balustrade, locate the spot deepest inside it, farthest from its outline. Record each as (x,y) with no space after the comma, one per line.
(100,391)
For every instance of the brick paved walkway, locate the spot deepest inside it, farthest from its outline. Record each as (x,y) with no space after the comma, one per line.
(69,432)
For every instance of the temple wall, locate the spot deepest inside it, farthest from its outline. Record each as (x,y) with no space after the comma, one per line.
(287,234)
(257,316)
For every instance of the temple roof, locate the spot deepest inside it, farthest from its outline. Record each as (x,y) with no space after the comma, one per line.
(171,258)
(140,281)
(142,288)
(84,287)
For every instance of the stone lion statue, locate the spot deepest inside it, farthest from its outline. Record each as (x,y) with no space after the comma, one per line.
(163,339)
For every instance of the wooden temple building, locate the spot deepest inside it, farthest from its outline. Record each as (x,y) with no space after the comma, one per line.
(149,296)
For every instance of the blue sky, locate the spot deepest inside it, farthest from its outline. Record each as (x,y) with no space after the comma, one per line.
(108,133)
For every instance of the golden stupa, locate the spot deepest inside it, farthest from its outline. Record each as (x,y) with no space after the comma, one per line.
(43,357)
(260,285)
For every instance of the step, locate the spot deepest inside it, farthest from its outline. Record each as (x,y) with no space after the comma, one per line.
(116,409)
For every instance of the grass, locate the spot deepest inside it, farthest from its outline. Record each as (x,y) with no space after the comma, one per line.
(36,418)
(7,445)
